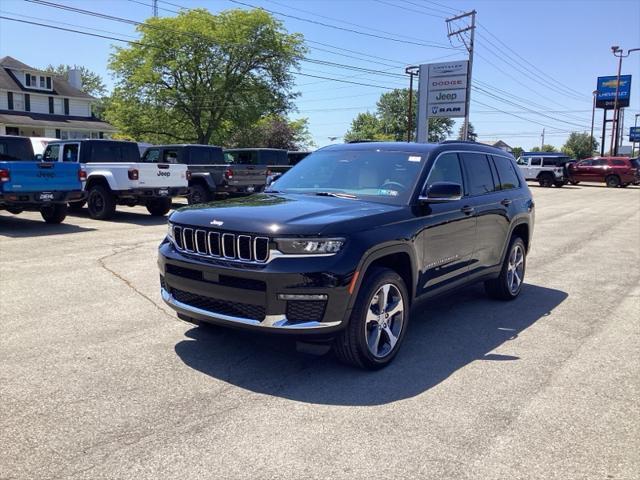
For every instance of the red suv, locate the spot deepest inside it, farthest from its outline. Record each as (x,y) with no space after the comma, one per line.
(614,171)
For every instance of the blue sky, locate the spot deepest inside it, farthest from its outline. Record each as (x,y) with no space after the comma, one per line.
(564,46)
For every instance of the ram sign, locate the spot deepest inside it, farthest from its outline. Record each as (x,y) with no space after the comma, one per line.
(606,88)
(442,92)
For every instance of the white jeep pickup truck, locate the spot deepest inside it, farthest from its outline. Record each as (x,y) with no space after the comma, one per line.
(116,176)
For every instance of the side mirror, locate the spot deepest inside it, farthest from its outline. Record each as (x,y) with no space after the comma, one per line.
(441,192)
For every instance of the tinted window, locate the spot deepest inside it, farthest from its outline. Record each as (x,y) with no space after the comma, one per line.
(536,162)
(70,152)
(522,161)
(506,173)
(152,155)
(170,156)
(549,162)
(109,152)
(446,169)
(16,149)
(585,163)
(51,153)
(478,172)
(618,163)
(599,163)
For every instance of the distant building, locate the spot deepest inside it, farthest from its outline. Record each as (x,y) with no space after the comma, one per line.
(38,104)
(499,144)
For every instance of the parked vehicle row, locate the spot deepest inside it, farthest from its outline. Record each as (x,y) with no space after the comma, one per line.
(27,184)
(614,171)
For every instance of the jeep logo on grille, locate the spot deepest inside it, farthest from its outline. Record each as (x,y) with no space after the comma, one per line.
(217,223)
(164,174)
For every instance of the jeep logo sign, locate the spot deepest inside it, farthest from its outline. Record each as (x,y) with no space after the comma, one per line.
(164,174)
(447,96)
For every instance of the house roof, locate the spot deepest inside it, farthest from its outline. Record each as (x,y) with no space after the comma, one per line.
(60,86)
(53,121)
(496,143)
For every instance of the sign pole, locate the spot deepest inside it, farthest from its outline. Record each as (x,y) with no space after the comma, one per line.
(614,133)
(604,131)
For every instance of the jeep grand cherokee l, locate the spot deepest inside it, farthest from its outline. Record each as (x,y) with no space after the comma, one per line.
(341,245)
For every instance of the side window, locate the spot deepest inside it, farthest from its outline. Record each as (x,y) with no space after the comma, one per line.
(152,155)
(478,173)
(70,152)
(522,161)
(229,158)
(536,162)
(585,163)
(549,162)
(600,163)
(618,163)
(170,156)
(506,173)
(51,153)
(445,169)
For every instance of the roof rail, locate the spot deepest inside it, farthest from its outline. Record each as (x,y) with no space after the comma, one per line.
(460,141)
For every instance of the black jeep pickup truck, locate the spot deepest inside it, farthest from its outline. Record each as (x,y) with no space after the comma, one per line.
(213,173)
(341,245)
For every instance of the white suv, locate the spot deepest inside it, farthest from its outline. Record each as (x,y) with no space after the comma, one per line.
(546,168)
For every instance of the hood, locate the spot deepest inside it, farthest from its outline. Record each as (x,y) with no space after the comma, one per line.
(285,214)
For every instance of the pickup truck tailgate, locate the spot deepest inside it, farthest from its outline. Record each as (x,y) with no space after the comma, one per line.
(31,176)
(154,175)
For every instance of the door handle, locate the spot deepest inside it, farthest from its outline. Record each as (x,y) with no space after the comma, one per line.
(506,202)
(467,210)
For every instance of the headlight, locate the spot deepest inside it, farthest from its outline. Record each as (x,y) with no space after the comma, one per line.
(317,246)
(170,231)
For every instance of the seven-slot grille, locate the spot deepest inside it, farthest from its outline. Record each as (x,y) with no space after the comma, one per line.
(221,245)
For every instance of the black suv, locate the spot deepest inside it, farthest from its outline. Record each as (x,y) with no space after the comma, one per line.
(342,244)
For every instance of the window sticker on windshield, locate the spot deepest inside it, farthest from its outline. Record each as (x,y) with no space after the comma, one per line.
(414,158)
(387,193)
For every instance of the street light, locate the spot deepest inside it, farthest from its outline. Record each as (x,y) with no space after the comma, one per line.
(593,114)
(617,52)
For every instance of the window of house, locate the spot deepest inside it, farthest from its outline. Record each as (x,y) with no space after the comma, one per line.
(51,109)
(27,79)
(10,100)
(27,102)
(42,83)
(66,106)
(18,101)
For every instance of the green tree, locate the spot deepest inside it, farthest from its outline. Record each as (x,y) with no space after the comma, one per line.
(92,83)
(197,76)
(545,148)
(390,121)
(517,151)
(580,145)
(273,131)
(471,134)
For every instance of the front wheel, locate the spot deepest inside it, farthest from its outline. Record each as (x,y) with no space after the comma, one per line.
(545,180)
(159,207)
(199,194)
(378,322)
(509,284)
(54,213)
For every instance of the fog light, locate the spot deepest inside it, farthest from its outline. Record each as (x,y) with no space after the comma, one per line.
(287,296)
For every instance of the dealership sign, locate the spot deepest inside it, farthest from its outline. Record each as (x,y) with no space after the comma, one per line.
(634,134)
(442,93)
(606,88)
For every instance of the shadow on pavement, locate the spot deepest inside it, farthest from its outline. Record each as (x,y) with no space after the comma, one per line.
(122,215)
(444,336)
(16,227)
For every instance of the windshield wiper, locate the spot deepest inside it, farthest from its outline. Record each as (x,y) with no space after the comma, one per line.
(336,194)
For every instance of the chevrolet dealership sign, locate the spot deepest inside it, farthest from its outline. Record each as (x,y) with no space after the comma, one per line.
(442,93)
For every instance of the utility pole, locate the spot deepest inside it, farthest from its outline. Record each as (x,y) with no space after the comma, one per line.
(593,115)
(155,8)
(412,71)
(618,52)
(468,43)
(542,143)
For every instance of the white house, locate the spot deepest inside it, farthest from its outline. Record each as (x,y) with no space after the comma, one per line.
(38,104)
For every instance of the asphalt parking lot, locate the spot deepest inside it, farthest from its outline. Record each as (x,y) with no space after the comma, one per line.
(99,379)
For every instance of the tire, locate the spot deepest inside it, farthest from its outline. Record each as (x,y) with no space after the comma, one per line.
(503,287)
(101,203)
(559,184)
(15,210)
(77,206)
(353,346)
(199,194)
(54,213)
(159,207)
(574,182)
(545,180)
(612,181)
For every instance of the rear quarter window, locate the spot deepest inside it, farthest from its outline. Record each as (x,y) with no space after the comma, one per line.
(549,162)
(508,178)
(618,163)
(110,152)
(478,173)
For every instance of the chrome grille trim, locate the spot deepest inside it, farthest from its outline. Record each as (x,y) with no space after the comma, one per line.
(214,239)
(204,250)
(239,240)
(265,242)
(233,244)
(187,233)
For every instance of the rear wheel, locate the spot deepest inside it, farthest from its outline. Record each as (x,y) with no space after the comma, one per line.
(15,210)
(545,179)
(559,184)
(199,194)
(508,285)
(159,207)
(101,203)
(378,322)
(624,185)
(612,181)
(54,213)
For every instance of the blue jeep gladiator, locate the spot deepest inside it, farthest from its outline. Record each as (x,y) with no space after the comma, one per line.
(27,184)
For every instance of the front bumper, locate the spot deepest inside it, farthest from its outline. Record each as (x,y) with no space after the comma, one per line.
(40,199)
(246,296)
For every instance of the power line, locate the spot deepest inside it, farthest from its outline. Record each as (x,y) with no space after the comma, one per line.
(409,9)
(337,27)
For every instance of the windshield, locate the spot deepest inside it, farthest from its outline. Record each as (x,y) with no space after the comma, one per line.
(385,176)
